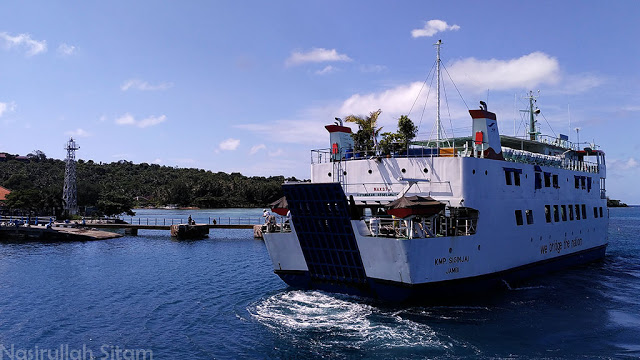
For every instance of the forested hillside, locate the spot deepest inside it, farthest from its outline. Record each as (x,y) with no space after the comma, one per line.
(37,185)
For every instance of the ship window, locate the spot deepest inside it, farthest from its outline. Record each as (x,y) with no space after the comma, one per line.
(600,211)
(571,212)
(529,214)
(512,180)
(519,217)
(584,211)
(582,182)
(556,214)
(538,180)
(547,213)
(577,179)
(547,179)
(577,212)
(563,212)
(507,177)
(555,181)
(589,184)
(595,212)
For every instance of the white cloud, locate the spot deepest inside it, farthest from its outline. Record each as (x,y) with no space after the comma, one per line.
(157,161)
(6,107)
(623,165)
(141,85)
(327,70)
(151,121)
(470,75)
(78,133)
(575,84)
(525,72)
(308,129)
(256,148)
(316,55)
(396,100)
(128,119)
(33,47)
(229,144)
(66,49)
(433,27)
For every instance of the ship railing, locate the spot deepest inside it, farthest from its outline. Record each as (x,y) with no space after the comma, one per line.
(469,149)
(527,157)
(434,226)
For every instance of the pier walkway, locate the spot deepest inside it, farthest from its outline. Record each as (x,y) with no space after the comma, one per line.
(90,228)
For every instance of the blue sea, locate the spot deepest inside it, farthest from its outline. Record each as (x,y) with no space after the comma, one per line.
(151,297)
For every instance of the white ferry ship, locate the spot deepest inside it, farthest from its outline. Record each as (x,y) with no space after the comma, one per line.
(488,209)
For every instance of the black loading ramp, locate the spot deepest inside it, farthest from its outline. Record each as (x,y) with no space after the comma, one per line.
(320,215)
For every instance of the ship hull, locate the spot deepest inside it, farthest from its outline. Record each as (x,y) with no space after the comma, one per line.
(460,289)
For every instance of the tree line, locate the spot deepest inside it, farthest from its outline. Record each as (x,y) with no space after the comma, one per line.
(114,188)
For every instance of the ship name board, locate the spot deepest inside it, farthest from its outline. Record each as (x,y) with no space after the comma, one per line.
(451,260)
(382,189)
(559,246)
(375,194)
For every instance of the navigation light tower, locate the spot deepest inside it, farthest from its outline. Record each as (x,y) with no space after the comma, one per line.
(69,194)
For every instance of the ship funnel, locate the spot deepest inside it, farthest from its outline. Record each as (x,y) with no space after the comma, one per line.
(341,141)
(486,134)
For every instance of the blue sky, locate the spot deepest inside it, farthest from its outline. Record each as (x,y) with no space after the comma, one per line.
(246,86)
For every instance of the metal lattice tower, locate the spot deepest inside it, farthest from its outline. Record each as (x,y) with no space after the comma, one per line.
(69,194)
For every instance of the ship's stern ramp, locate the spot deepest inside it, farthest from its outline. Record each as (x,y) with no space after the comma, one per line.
(320,216)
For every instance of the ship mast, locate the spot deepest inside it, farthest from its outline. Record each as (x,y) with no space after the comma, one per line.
(533,134)
(438,130)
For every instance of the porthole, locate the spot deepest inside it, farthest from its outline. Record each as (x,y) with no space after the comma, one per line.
(474,171)
(329,174)
(485,172)
(478,247)
(344,173)
(450,250)
(403,170)
(370,172)
(425,170)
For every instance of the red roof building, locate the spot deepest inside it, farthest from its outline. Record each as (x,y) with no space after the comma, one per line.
(3,195)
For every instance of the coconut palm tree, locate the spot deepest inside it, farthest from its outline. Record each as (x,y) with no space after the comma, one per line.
(366,137)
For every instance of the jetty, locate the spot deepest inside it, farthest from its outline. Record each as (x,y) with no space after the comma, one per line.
(17,232)
(44,229)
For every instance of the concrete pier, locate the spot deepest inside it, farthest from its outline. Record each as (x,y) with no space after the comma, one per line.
(43,233)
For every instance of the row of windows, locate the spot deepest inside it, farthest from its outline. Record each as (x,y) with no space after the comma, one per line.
(557,212)
(567,211)
(512,177)
(583,182)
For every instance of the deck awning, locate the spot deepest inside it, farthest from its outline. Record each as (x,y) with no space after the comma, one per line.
(406,206)
(280,206)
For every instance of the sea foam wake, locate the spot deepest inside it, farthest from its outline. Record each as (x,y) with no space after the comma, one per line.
(333,320)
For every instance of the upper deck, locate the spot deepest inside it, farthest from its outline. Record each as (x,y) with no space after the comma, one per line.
(549,151)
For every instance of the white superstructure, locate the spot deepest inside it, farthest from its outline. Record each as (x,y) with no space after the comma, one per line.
(513,207)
